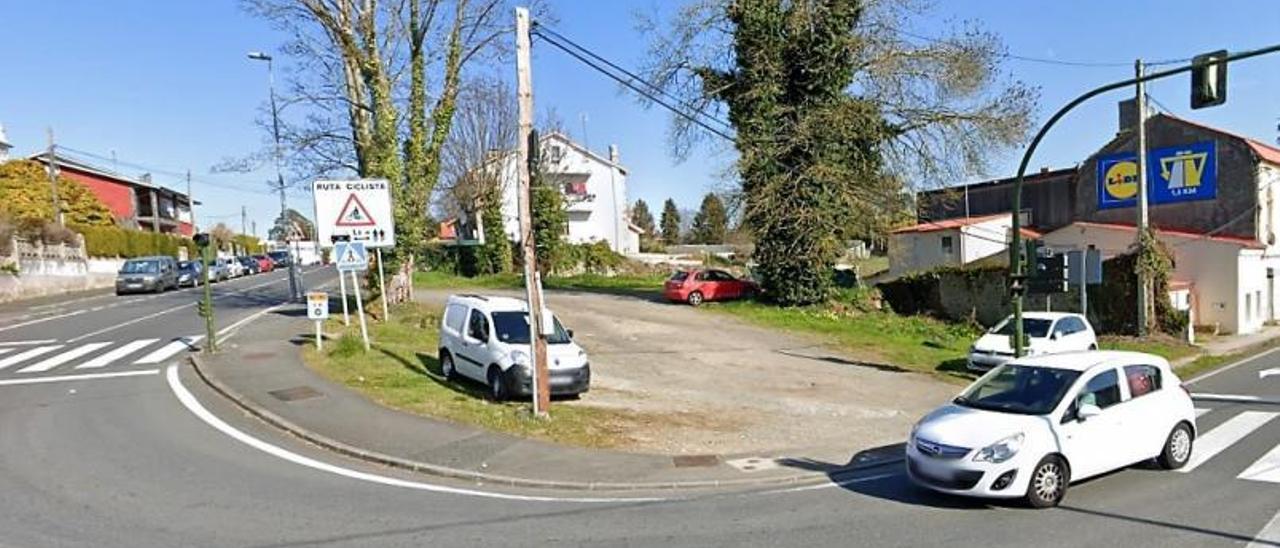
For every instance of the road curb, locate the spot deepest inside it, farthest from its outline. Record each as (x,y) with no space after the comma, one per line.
(324,442)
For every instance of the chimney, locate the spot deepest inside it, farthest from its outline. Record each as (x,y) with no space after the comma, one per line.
(613,154)
(145,177)
(1129,115)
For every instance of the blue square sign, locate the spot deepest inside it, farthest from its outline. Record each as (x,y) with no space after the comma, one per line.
(350,256)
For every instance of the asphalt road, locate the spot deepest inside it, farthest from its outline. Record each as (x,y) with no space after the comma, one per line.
(154,459)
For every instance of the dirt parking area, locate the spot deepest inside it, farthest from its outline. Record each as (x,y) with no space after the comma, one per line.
(723,387)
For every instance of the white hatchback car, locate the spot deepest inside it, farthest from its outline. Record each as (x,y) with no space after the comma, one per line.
(486,339)
(1046,333)
(1031,426)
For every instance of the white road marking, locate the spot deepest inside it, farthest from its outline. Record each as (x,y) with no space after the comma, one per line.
(1266,468)
(1215,441)
(64,357)
(30,353)
(131,322)
(1269,372)
(1230,366)
(116,354)
(193,405)
(829,485)
(226,332)
(164,352)
(1241,398)
(87,377)
(1201,411)
(1269,536)
(28,343)
(3,350)
(42,320)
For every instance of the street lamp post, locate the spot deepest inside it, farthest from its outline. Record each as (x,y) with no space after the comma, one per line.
(295,292)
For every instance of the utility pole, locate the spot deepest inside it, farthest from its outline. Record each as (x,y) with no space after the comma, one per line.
(53,180)
(532,282)
(191,203)
(243,220)
(295,291)
(1144,284)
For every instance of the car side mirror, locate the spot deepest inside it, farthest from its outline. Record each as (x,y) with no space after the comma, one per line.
(1055,335)
(1088,411)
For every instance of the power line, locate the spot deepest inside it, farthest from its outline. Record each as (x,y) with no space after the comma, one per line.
(632,85)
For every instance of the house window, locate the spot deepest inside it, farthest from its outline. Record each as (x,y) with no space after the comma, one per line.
(555,153)
(948,245)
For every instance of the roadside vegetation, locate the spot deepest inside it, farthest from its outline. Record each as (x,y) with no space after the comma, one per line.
(402,371)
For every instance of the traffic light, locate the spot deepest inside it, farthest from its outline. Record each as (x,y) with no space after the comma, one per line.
(201,239)
(1209,79)
(202,308)
(1050,274)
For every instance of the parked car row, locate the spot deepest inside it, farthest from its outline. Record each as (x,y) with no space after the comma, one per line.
(161,273)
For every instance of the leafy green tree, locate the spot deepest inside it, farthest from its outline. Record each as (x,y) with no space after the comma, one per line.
(670,222)
(27,199)
(711,223)
(833,110)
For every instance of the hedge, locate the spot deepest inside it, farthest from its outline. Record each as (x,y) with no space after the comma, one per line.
(125,243)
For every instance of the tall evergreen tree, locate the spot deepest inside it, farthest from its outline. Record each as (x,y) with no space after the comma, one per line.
(711,223)
(670,222)
(642,217)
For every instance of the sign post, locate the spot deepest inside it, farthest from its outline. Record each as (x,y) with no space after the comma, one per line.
(356,211)
(318,311)
(352,257)
(342,286)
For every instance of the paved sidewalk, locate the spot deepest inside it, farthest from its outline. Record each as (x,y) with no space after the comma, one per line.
(261,371)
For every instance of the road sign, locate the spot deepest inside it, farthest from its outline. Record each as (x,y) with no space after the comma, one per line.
(354,211)
(318,305)
(350,256)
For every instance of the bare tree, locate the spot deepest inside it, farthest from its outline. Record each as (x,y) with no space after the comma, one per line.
(484,129)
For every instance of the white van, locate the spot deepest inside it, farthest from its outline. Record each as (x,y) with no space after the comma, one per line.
(486,339)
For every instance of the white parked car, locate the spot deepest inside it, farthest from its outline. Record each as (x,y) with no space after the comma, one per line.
(234,268)
(486,339)
(1046,333)
(1031,426)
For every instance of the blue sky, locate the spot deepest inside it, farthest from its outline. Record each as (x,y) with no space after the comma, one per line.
(166,84)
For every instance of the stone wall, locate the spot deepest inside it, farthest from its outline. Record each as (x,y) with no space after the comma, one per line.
(53,269)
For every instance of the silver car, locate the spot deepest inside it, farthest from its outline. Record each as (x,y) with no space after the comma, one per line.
(147,274)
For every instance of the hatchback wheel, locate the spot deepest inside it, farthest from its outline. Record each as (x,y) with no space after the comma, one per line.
(1048,483)
(446,366)
(1177,449)
(695,298)
(497,389)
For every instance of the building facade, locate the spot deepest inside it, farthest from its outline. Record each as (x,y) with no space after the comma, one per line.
(950,242)
(594,190)
(134,202)
(1212,201)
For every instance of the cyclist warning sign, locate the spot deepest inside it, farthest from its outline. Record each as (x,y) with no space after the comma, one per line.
(354,211)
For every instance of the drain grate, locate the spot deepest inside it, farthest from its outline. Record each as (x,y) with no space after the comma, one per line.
(296,393)
(694,461)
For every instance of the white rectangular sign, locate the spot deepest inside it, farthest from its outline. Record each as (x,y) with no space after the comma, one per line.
(355,211)
(318,305)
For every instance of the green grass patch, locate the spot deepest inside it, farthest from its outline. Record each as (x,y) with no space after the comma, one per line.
(638,285)
(1164,346)
(1208,362)
(881,339)
(402,371)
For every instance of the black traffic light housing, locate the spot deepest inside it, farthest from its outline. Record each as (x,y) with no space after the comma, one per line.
(1209,79)
(201,239)
(202,308)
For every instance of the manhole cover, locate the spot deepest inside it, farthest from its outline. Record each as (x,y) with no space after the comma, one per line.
(259,356)
(296,393)
(694,461)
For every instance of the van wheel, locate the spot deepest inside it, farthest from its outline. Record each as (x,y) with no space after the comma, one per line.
(1048,483)
(1177,448)
(497,388)
(695,298)
(446,367)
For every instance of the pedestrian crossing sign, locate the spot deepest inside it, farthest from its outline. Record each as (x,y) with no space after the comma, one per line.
(351,256)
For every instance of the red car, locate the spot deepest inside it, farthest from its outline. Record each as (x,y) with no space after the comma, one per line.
(698,286)
(265,264)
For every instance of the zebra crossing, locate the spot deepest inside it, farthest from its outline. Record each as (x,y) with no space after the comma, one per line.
(29,358)
(1212,442)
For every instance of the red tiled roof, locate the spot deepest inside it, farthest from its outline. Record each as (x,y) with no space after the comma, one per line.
(948,224)
(1190,234)
(1263,150)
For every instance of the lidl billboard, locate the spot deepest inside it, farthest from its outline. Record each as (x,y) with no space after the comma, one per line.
(1174,174)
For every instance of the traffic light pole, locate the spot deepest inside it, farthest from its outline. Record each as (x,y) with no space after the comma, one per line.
(211,342)
(1016,263)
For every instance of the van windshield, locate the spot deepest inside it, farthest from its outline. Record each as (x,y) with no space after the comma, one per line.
(140,267)
(513,328)
(1019,389)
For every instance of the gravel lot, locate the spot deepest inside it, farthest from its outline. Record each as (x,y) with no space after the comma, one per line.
(724,387)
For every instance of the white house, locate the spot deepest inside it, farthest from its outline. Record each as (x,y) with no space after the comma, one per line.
(594,188)
(5,146)
(951,242)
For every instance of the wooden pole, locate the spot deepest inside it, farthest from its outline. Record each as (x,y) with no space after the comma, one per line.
(524,93)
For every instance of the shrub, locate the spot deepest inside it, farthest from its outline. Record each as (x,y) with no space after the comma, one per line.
(113,241)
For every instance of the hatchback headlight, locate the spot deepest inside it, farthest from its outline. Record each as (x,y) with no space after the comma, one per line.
(1000,451)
